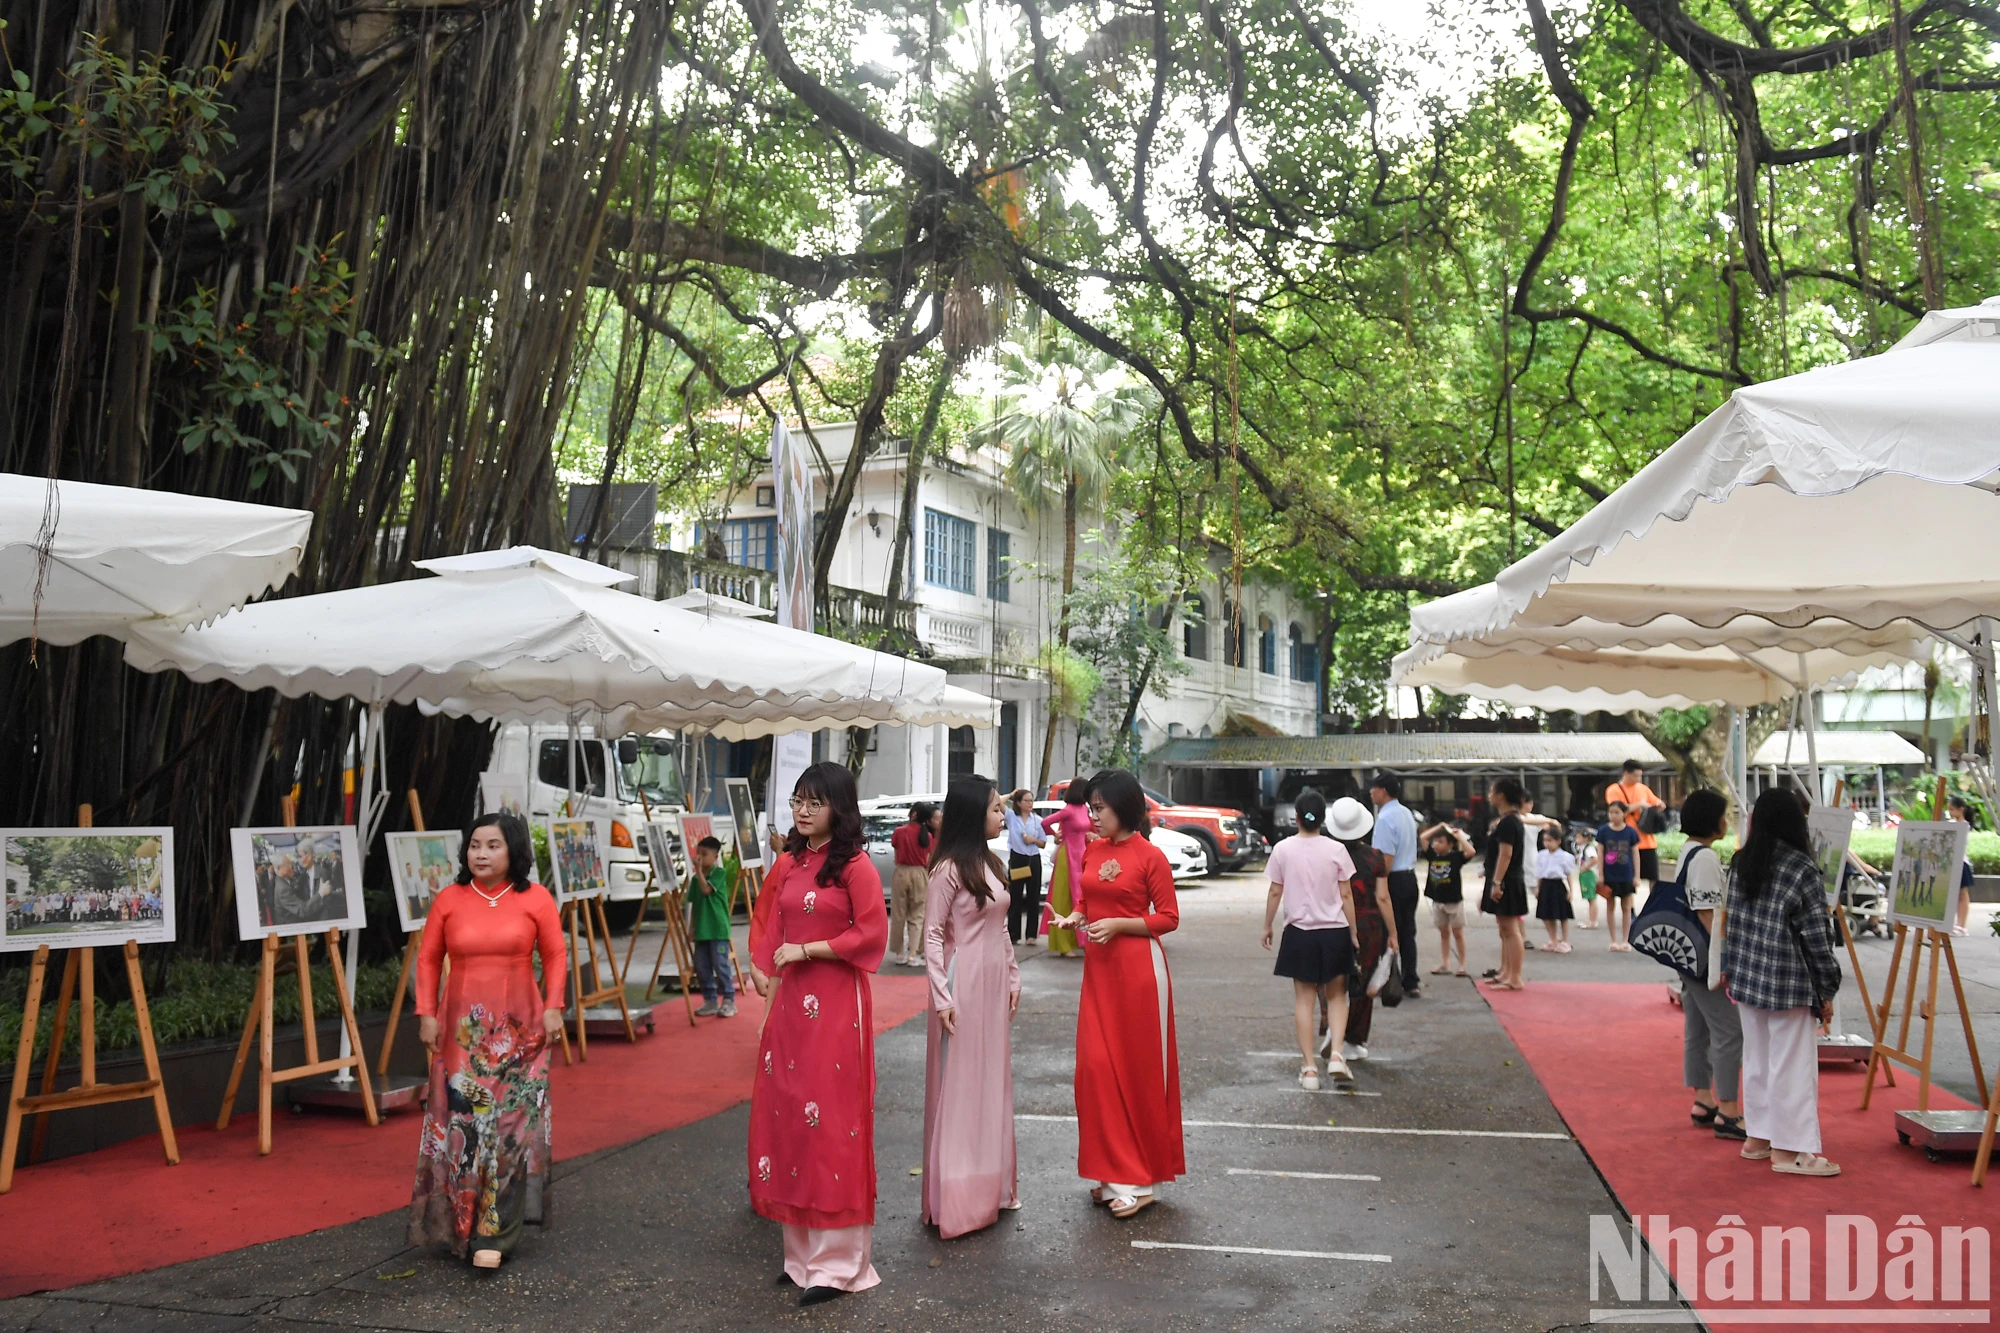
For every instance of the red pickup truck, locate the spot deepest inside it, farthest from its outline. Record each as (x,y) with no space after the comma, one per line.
(1224,834)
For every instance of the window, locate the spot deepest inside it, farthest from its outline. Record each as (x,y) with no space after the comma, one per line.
(767,497)
(950,548)
(1232,633)
(1305,656)
(1194,629)
(1267,646)
(553,766)
(745,541)
(959,752)
(999,551)
(1009,742)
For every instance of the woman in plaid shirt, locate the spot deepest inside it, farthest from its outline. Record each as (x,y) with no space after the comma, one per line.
(1779,964)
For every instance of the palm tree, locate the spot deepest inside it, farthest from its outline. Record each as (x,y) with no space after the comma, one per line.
(1064,412)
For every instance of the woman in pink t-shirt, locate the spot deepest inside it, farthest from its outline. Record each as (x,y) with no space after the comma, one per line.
(1311,878)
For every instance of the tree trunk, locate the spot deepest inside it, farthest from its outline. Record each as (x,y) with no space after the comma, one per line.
(912,471)
(1062,623)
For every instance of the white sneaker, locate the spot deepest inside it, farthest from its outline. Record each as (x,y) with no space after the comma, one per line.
(1350,1051)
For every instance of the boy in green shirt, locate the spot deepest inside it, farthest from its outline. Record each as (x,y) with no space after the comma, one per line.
(708,892)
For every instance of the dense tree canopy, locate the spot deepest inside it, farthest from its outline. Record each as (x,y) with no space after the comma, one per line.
(407,263)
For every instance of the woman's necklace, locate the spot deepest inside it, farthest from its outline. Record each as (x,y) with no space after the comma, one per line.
(492,899)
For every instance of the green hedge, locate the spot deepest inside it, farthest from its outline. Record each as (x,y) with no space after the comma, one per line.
(198,1002)
(1876,846)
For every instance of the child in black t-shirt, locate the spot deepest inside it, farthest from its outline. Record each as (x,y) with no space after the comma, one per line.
(1446,850)
(1618,843)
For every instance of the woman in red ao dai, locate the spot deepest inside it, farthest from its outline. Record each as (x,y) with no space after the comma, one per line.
(812,1110)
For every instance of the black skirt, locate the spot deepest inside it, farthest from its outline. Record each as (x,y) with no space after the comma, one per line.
(1315,956)
(1513,899)
(1552,901)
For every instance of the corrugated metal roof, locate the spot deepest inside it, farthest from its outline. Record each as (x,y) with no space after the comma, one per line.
(1865,748)
(1501,750)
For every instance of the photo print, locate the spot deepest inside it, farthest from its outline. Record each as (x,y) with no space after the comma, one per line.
(77,887)
(576,857)
(420,865)
(297,881)
(1923,890)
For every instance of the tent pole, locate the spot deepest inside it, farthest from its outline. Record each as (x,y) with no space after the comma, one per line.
(1812,739)
(372,806)
(1986,668)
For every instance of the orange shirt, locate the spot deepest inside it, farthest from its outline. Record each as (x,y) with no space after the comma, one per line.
(1635,795)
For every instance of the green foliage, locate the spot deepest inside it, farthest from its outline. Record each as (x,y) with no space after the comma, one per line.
(1073,679)
(1681,726)
(1916,803)
(198,1002)
(1876,846)
(243,382)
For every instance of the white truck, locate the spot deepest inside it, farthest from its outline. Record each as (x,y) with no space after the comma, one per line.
(611,775)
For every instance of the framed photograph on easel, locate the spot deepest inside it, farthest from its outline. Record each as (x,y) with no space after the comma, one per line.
(576,857)
(666,848)
(421,865)
(499,793)
(1832,829)
(71,888)
(297,881)
(743,815)
(1923,889)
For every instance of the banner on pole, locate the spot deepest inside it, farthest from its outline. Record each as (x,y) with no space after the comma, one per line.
(793,485)
(791,755)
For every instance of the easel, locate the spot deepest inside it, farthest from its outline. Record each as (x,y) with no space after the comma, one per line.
(411,947)
(587,930)
(79,980)
(1839,913)
(261,1018)
(1940,943)
(1985,1156)
(673,903)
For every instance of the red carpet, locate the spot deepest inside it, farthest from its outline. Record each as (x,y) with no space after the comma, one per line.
(122,1210)
(1610,1058)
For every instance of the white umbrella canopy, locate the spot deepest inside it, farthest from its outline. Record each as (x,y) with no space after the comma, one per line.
(525,635)
(121,555)
(957,707)
(714,603)
(1864,491)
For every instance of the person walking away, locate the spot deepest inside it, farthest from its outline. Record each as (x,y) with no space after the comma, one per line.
(1553,868)
(1631,791)
(1961,811)
(1779,966)
(1311,879)
(910,882)
(708,888)
(1395,838)
(811,1150)
(1505,895)
(1072,824)
(1024,867)
(1589,864)
(483,1153)
(1447,852)
(1128,1079)
(1712,1042)
(1374,925)
(975,984)
(1619,843)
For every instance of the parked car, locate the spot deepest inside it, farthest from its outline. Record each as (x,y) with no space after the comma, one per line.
(1227,839)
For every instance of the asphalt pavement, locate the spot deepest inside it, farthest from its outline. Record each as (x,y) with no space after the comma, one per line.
(1469,1209)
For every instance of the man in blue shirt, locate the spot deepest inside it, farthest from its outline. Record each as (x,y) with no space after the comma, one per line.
(1396,839)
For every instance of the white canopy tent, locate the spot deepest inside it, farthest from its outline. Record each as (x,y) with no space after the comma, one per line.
(956,708)
(121,556)
(714,603)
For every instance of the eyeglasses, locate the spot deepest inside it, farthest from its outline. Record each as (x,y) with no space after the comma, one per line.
(808,805)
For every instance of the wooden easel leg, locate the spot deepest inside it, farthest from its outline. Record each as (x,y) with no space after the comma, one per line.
(24,1058)
(410,947)
(604,928)
(1965,1016)
(250,1021)
(353,1028)
(1861,985)
(1930,1026)
(576,983)
(1880,1018)
(683,942)
(266,992)
(58,1031)
(308,1019)
(144,1016)
(632,944)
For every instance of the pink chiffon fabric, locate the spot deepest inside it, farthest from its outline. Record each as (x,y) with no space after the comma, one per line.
(969,1162)
(831,1257)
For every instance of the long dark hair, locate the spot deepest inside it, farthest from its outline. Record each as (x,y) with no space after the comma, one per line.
(1127,799)
(520,848)
(1077,793)
(962,840)
(833,784)
(1777,820)
(920,815)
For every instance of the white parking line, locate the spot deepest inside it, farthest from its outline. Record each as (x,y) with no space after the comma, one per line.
(1298,1175)
(1251,1249)
(1340,1129)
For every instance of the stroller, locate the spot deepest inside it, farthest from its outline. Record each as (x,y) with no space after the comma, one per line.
(1867,902)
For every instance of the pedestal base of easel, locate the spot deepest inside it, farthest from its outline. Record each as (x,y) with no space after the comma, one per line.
(605,1020)
(1940,1132)
(1845,1047)
(393,1092)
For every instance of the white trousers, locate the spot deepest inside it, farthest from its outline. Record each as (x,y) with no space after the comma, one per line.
(832,1257)
(1781,1077)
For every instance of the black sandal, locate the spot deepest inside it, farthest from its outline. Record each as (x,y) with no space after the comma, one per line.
(1729,1127)
(1704,1117)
